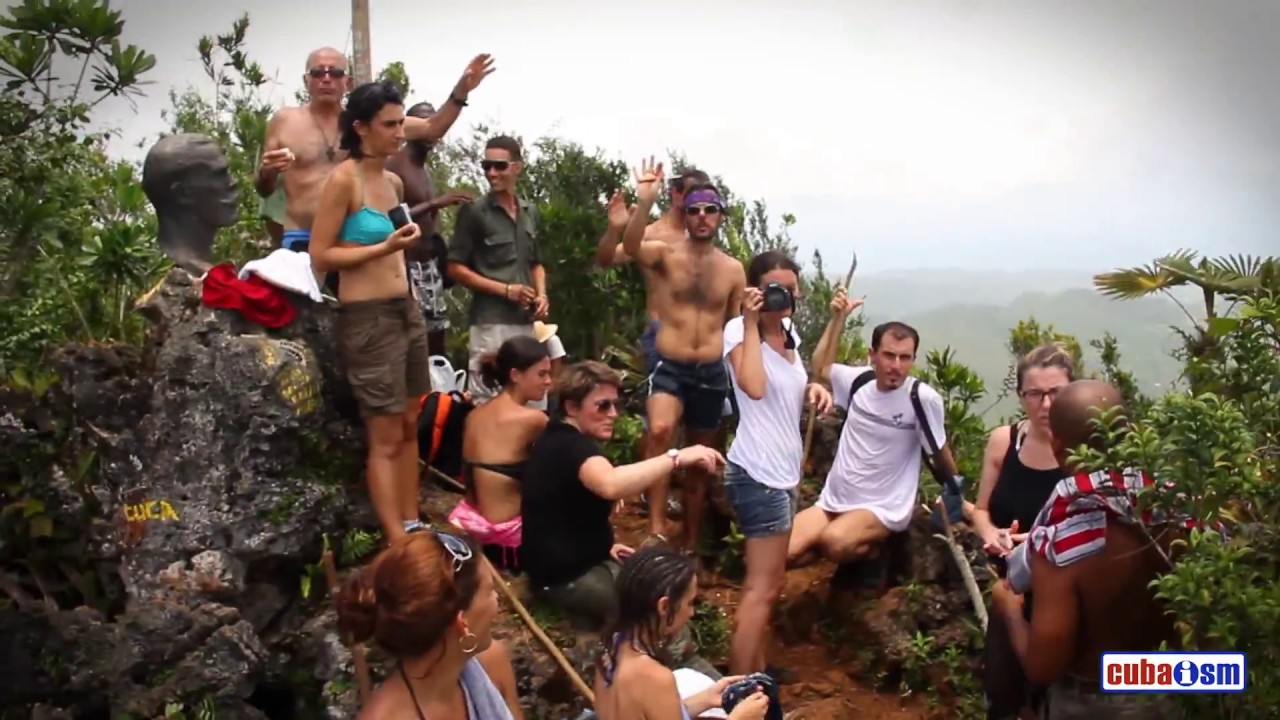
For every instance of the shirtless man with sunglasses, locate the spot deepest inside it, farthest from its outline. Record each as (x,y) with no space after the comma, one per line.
(697,289)
(301,145)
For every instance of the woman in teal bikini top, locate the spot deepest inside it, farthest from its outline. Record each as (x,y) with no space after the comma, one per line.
(368,225)
(379,330)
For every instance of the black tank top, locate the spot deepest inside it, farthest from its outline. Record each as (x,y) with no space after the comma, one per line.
(1020,491)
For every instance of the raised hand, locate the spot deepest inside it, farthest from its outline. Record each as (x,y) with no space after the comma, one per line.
(752,301)
(841,305)
(480,67)
(648,180)
(619,212)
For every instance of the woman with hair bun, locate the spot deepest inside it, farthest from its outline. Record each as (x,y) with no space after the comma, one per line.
(427,601)
(495,448)
(381,335)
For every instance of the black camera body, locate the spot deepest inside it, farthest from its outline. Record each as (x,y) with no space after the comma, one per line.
(746,687)
(777,298)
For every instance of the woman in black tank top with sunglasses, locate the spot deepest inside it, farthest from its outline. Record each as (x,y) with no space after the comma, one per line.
(1019,472)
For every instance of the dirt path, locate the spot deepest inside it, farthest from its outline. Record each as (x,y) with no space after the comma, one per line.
(823,682)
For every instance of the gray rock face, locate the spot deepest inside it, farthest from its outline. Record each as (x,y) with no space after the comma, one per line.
(189,486)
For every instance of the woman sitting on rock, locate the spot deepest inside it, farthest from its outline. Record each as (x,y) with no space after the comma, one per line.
(771,385)
(495,448)
(427,601)
(656,590)
(381,335)
(1019,473)
(569,491)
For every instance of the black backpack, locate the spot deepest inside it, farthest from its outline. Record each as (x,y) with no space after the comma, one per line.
(441,426)
(930,447)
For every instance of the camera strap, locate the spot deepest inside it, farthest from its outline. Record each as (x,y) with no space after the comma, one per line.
(929,446)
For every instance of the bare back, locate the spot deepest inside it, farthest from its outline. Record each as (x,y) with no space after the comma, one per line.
(382,277)
(694,289)
(1118,611)
(312,140)
(497,495)
(642,689)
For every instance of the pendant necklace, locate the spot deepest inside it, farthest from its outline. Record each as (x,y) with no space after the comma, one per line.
(329,151)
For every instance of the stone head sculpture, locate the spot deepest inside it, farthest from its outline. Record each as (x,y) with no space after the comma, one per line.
(185,177)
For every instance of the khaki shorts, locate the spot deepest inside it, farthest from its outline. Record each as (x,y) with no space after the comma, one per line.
(383,344)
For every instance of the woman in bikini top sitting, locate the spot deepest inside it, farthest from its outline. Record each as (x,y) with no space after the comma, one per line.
(381,335)
(656,590)
(495,448)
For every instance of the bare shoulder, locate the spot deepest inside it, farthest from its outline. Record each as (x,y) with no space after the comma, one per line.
(396,182)
(381,704)
(999,438)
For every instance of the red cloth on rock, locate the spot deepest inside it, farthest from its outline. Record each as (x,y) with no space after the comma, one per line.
(257,300)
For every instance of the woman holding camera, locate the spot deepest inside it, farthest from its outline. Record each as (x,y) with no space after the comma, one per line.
(382,337)
(656,589)
(764,461)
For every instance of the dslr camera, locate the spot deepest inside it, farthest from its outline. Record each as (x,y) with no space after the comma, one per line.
(746,687)
(777,297)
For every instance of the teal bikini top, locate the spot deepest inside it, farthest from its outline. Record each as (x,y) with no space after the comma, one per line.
(368,225)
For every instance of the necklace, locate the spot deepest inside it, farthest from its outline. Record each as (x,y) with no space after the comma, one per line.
(329,150)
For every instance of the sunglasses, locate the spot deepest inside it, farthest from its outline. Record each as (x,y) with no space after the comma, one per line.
(457,548)
(333,72)
(499,165)
(701,209)
(605,406)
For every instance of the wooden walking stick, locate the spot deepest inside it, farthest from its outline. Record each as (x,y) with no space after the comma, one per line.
(363,684)
(537,630)
(830,358)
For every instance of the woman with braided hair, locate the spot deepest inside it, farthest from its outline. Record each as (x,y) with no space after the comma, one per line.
(656,589)
(428,603)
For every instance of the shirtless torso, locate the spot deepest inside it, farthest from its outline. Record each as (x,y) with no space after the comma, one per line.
(497,494)
(694,291)
(313,139)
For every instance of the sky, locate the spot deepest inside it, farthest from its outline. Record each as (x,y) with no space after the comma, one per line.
(969,134)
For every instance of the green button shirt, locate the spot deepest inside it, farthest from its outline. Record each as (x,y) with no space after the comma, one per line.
(488,241)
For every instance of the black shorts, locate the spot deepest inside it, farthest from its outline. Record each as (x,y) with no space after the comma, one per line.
(701,387)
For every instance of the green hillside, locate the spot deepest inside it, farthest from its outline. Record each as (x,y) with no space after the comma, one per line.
(979,333)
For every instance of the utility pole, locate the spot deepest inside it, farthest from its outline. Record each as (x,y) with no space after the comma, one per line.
(363,70)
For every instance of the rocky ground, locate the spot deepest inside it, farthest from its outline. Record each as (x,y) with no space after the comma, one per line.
(166,509)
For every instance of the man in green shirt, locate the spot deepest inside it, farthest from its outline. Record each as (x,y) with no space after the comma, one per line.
(494,253)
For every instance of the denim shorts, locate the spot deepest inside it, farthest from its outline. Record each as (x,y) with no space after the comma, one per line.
(762,511)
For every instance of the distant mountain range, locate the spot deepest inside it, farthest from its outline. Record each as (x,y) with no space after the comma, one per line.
(973,312)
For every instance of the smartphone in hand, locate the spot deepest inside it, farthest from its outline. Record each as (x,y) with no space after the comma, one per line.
(400,215)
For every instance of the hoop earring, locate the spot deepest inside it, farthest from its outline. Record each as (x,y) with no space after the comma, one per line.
(475,643)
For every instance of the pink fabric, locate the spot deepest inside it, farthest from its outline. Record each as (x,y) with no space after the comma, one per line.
(504,534)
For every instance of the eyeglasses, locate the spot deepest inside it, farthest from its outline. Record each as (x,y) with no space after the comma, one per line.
(696,210)
(1038,396)
(499,165)
(458,549)
(336,73)
(606,405)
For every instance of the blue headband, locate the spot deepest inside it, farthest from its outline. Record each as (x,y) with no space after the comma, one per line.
(703,196)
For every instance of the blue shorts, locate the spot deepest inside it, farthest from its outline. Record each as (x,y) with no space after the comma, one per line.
(701,387)
(762,511)
(649,346)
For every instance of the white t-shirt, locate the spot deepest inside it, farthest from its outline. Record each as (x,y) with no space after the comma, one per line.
(768,444)
(877,463)
(555,349)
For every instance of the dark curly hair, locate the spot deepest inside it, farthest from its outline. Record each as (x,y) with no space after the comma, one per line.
(363,104)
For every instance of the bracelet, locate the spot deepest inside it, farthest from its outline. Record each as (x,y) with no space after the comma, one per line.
(506,294)
(453,98)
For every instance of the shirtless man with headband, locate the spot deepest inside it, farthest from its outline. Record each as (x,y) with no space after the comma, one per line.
(695,289)
(301,144)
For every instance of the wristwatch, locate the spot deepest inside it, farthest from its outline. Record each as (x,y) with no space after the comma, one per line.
(674,454)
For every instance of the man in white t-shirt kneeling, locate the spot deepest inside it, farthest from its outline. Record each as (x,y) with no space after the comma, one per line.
(870,492)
